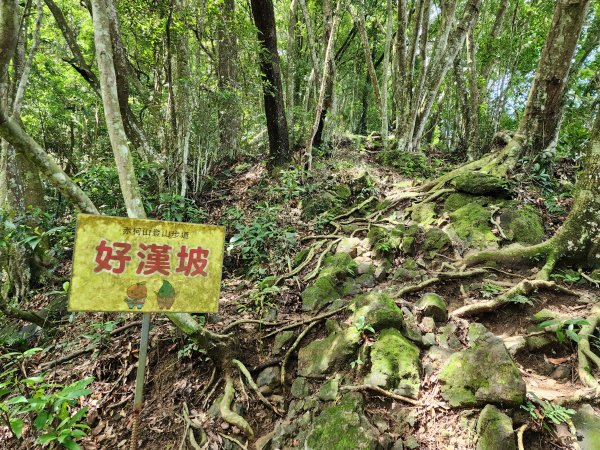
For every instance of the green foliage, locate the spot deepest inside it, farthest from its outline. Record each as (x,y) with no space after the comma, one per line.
(543,410)
(175,208)
(567,276)
(564,328)
(260,244)
(362,326)
(489,290)
(520,300)
(261,300)
(50,411)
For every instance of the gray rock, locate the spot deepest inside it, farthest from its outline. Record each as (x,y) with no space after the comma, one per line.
(433,305)
(268,377)
(300,388)
(280,340)
(428,325)
(329,390)
(495,430)
(587,423)
(349,246)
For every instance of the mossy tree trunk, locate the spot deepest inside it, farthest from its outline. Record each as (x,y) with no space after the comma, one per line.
(577,242)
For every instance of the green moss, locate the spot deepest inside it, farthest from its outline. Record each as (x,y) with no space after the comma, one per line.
(587,423)
(433,305)
(395,363)
(457,200)
(379,309)
(406,163)
(340,265)
(495,430)
(523,225)
(471,223)
(341,427)
(424,213)
(321,355)
(483,373)
(478,183)
(318,204)
(321,292)
(342,191)
(435,242)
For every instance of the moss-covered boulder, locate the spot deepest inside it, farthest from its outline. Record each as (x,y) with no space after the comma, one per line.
(478,183)
(433,305)
(435,242)
(342,427)
(484,373)
(317,204)
(379,310)
(522,225)
(320,356)
(471,223)
(328,285)
(320,293)
(406,163)
(587,423)
(457,200)
(495,430)
(349,246)
(395,364)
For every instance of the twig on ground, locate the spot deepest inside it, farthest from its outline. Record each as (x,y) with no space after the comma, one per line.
(378,390)
(253,385)
(291,350)
(304,322)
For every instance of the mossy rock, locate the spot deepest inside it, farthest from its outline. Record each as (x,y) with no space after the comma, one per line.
(484,373)
(342,191)
(320,293)
(342,427)
(433,305)
(320,356)
(318,204)
(424,213)
(436,241)
(395,364)
(587,423)
(471,223)
(361,183)
(300,257)
(457,200)
(478,183)
(280,340)
(379,310)
(340,266)
(523,225)
(404,274)
(406,163)
(495,430)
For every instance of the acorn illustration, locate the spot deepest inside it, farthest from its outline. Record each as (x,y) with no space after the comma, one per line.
(136,295)
(166,295)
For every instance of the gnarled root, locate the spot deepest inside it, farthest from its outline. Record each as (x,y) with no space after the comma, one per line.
(585,354)
(524,287)
(225,408)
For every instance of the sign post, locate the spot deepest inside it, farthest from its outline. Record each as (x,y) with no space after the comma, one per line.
(145,266)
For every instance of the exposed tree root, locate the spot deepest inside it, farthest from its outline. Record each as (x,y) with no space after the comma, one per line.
(315,271)
(285,359)
(584,352)
(353,210)
(440,277)
(225,408)
(524,287)
(520,433)
(380,391)
(306,321)
(242,368)
(234,440)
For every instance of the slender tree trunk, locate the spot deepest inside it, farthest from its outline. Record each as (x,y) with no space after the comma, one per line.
(229,112)
(473,135)
(359,21)
(264,18)
(291,55)
(112,112)
(385,75)
(539,125)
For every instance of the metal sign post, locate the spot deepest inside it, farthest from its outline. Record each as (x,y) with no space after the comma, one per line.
(138,400)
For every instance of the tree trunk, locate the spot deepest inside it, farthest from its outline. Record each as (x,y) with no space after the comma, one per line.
(229,110)
(539,125)
(385,75)
(291,55)
(264,19)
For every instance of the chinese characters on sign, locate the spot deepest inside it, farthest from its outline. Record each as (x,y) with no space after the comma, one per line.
(124,264)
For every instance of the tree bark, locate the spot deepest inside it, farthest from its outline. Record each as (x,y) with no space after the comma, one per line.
(264,19)
(229,110)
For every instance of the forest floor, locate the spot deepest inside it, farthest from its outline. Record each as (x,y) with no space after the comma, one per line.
(386,252)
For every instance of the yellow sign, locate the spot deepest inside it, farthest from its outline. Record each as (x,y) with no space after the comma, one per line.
(137,265)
